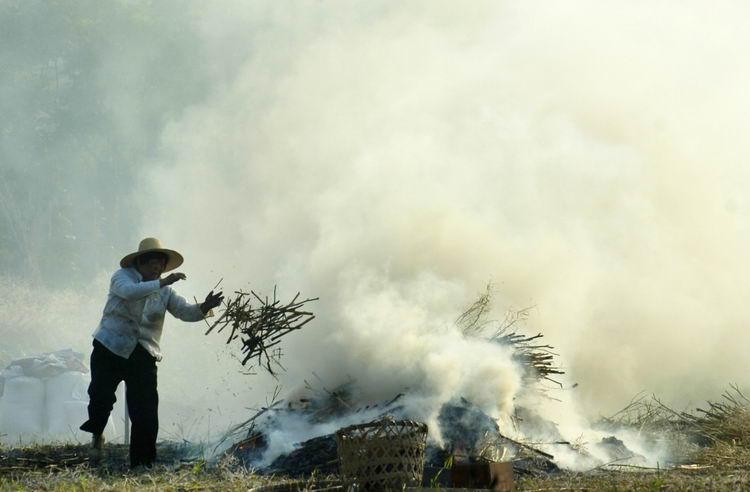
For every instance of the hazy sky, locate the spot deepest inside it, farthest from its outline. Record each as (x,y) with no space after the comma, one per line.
(587,157)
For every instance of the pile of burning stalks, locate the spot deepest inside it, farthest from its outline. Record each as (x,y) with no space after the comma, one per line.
(468,434)
(469,437)
(259,323)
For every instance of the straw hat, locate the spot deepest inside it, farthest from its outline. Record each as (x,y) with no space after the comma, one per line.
(149,245)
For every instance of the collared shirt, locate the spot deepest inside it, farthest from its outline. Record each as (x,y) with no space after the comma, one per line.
(134,313)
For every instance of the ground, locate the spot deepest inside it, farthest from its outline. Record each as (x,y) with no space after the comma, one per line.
(66,468)
(670,480)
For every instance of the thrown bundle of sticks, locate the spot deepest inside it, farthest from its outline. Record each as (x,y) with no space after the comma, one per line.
(259,323)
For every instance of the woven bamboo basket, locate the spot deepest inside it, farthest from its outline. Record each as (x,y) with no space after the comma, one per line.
(382,455)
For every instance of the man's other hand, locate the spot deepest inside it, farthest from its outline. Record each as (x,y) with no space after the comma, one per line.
(171,278)
(212,301)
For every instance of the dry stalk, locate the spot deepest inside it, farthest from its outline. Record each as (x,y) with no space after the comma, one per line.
(718,434)
(259,323)
(726,421)
(646,415)
(537,359)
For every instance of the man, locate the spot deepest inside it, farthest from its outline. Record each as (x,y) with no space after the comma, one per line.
(126,344)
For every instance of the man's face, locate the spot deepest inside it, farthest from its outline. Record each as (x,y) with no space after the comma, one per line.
(152,268)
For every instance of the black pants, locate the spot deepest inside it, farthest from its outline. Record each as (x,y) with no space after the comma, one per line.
(139,373)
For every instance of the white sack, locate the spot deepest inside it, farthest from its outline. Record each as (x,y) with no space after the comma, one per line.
(65,387)
(70,417)
(67,408)
(75,413)
(12,371)
(22,406)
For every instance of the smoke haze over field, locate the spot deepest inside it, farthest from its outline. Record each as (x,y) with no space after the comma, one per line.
(392,158)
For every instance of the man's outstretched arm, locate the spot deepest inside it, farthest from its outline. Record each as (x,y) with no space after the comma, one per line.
(181,309)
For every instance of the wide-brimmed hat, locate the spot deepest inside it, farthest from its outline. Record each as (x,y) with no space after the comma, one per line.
(150,245)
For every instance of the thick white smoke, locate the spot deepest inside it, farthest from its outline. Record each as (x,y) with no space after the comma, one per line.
(586,157)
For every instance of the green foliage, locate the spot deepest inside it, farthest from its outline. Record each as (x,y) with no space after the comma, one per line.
(447,465)
(658,483)
(83,482)
(198,467)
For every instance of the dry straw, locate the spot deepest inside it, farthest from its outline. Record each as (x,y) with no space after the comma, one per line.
(259,323)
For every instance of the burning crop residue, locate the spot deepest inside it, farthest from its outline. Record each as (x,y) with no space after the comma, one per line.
(295,437)
(469,436)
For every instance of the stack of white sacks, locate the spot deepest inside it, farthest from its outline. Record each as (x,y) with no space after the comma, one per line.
(44,398)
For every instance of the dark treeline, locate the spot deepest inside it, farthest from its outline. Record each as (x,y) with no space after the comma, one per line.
(85,89)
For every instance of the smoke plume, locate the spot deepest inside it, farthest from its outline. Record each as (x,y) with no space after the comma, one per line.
(391,160)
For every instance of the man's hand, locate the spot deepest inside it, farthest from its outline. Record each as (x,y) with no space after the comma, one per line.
(212,301)
(171,278)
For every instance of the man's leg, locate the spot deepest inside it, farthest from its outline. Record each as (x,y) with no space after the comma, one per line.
(106,374)
(143,406)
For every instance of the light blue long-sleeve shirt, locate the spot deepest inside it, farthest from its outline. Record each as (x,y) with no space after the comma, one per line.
(134,313)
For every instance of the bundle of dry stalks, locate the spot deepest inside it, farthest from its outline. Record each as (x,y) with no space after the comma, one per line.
(726,421)
(538,360)
(260,326)
(646,415)
(657,425)
(718,435)
(723,455)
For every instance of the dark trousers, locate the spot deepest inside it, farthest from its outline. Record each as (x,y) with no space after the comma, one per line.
(139,373)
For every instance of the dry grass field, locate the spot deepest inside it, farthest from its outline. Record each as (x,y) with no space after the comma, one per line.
(66,468)
(711,448)
(83,478)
